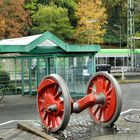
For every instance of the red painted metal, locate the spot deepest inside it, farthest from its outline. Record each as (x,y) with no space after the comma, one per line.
(87,101)
(102,113)
(102,100)
(48,94)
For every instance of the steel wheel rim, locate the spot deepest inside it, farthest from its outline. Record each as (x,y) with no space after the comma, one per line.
(54,121)
(108,113)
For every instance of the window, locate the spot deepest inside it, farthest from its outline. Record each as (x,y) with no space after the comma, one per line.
(102,60)
(119,61)
(125,61)
(110,60)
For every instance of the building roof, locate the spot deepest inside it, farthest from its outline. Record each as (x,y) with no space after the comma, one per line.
(43,43)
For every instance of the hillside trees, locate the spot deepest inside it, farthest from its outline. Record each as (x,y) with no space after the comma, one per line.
(54,19)
(117,20)
(137,16)
(31,5)
(14,18)
(56,16)
(92,17)
(70,6)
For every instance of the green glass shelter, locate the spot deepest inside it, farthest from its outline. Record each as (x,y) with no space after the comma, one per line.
(25,61)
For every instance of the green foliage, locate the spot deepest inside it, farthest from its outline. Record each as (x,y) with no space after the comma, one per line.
(137,41)
(58,16)
(70,6)
(4,78)
(117,15)
(117,20)
(31,5)
(54,19)
(137,16)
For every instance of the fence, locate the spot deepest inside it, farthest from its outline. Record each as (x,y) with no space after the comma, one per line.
(22,75)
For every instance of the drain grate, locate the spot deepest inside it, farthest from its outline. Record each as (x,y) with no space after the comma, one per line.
(133,118)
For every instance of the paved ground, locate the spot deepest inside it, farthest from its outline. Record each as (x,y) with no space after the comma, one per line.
(14,108)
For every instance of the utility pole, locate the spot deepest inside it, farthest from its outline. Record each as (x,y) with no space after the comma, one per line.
(130,34)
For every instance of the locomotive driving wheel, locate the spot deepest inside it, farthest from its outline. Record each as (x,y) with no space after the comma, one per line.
(53,103)
(102,83)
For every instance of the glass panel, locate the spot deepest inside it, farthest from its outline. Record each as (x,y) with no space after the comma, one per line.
(102,60)
(52,65)
(125,61)
(111,60)
(119,61)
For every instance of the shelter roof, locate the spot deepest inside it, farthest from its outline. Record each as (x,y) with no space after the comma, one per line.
(43,43)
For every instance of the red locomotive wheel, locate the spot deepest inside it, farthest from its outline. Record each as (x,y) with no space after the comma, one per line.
(53,102)
(107,113)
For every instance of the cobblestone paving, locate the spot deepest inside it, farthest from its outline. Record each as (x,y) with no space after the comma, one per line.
(81,128)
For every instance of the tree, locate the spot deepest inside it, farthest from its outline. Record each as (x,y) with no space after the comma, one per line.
(70,6)
(14,19)
(67,4)
(31,5)
(117,20)
(54,19)
(137,16)
(92,18)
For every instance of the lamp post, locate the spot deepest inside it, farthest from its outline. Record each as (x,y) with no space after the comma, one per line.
(119,26)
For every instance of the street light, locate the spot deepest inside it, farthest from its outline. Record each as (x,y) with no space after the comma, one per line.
(119,26)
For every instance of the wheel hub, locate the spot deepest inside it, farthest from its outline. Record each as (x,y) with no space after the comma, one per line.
(52,108)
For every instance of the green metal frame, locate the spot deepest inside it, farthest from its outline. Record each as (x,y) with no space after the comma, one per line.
(34,50)
(22,76)
(61,46)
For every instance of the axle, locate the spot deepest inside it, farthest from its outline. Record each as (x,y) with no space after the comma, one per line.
(88,101)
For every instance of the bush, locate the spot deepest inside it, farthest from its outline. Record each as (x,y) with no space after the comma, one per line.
(4,78)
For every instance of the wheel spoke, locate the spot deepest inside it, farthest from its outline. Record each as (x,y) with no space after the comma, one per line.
(50,89)
(100,114)
(61,117)
(58,95)
(42,109)
(96,110)
(55,89)
(103,112)
(103,81)
(92,90)
(45,115)
(53,121)
(99,85)
(108,85)
(45,93)
(41,100)
(109,91)
(57,121)
(49,120)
